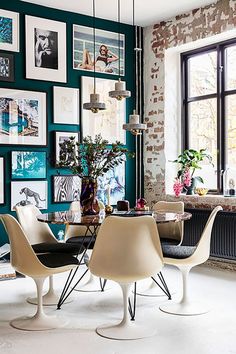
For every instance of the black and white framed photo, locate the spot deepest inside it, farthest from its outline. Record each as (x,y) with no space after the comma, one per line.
(23,118)
(66,188)
(28,164)
(29,192)
(6,67)
(2,180)
(66,105)
(45,49)
(60,137)
(9,30)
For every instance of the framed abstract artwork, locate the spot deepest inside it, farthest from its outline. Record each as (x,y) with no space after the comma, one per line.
(106,50)
(66,188)
(60,137)
(109,122)
(45,49)
(9,31)
(66,105)
(2,180)
(23,119)
(6,67)
(28,165)
(29,192)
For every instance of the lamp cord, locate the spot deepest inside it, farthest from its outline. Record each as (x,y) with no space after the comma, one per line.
(119,34)
(94,78)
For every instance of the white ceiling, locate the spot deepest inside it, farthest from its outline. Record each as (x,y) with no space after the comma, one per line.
(147,11)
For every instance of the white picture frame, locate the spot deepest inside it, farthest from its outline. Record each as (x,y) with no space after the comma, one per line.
(2,181)
(65,105)
(29,192)
(9,31)
(60,137)
(45,49)
(109,122)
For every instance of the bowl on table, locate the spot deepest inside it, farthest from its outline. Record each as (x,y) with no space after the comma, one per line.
(201,191)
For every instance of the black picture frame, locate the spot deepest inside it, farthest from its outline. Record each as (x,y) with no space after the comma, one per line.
(7,67)
(71,188)
(57,135)
(2,180)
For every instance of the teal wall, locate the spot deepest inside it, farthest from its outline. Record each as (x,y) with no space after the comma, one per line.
(73,80)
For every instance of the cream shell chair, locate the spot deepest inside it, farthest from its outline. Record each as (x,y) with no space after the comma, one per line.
(185,258)
(26,262)
(126,250)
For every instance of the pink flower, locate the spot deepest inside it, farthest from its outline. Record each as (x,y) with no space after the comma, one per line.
(187,178)
(177,187)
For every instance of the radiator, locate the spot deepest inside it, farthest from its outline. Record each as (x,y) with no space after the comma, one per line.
(223,240)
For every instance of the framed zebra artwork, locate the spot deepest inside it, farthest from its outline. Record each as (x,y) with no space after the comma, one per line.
(66,188)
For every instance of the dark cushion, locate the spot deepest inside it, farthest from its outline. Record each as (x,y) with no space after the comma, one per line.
(178,252)
(169,241)
(54,260)
(58,247)
(85,240)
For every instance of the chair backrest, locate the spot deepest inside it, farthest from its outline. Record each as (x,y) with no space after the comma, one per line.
(127,249)
(35,230)
(172,230)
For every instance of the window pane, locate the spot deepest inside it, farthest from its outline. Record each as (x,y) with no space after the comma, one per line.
(230,77)
(202,74)
(203,135)
(231,131)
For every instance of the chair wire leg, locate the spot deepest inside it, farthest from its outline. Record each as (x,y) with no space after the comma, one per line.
(164,286)
(132,310)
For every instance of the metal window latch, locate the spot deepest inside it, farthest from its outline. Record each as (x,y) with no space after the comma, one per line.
(221,68)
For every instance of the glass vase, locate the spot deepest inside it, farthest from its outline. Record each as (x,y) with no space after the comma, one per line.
(88,196)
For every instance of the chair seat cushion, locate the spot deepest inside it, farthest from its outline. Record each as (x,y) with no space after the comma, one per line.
(178,252)
(169,241)
(58,247)
(85,240)
(54,260)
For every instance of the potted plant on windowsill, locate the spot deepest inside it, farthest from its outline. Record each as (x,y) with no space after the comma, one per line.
(189,162)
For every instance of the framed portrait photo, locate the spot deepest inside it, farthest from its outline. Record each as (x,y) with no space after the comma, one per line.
(29,192)
(66,188)
(45,49)
(28,165)
(60,137)
(66,105)
(2,180)
(109,122)
(9,30)
(6,67)
(107,58)
(23,119)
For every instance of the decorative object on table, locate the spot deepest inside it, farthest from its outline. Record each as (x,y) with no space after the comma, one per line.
(201,191)
(9,31)
(89,160)
(189,161)
(28,164)
(2,180)
(229,182)
(141,204)
(23,119)
(45,49)
(66,188)
(60,138)
(123,205)
(6,67)
(108,209)
(65,105)
(29,192)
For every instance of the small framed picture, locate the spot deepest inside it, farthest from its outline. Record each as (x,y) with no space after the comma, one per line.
(66,188)
(28,164)
(45,49)
(60,137)
(29,192)
(9,31)
(6,67)
(66,105)
(2,180)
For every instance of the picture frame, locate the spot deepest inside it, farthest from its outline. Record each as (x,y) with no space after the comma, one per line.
(65,105)
(60,137)
(45,49)
(7,67)
(106,50)
(2,180)
(9,30)
(28,165)
(23,118)
(66,188)
(29,192)
(107,122)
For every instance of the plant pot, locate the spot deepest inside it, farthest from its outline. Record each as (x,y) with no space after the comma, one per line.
(88,196)
(191,189)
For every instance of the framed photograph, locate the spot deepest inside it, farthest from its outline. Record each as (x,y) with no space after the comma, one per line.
(6,67)
(29,192)
(9,30)
(106,50)
(109,122)
(66,188)
(23,119)
(45,49)
(28,164)
(2,180)
(113,182)
(66,105)
(60,137)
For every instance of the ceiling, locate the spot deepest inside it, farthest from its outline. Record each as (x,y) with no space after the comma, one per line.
(146,12)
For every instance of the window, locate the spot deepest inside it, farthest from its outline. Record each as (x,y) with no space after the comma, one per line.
(209,107)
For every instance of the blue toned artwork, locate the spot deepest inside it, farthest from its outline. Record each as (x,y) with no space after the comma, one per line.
(116,180)
(28,164)
(6,30)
